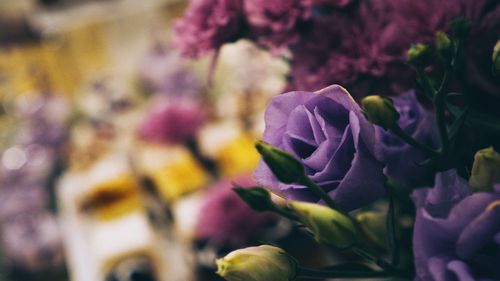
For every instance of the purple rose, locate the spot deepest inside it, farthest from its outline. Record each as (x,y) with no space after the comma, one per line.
(173,121)
(225,219)
(275,23)
(328,133)
(403,159)
(456,235)
(207,25)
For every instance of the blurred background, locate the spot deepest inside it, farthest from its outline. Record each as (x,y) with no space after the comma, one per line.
(117,156)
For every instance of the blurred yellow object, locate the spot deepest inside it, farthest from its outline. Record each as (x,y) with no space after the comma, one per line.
(179,176)
(238,156)
(113,198)
(57,64)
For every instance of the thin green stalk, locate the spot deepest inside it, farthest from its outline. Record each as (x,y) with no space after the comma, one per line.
(440,109)
(320,193)
(393,244)
(380,262)
(285,213)
(429,90)
(411,141)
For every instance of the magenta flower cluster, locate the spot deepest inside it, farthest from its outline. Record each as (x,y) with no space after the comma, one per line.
(359,44)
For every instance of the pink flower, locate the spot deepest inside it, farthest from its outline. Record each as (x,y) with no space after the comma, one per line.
(275,23)
(176,121)
(365,47)
(329,3)
(207,25)
(226,219)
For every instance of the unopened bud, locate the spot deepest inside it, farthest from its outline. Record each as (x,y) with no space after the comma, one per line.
(373,225)
(283,165)
(256,264)
(256,198)
(380,111)
(419,55)
(460,27)
(485,170)
(496,58)
(329,226)
(443,44)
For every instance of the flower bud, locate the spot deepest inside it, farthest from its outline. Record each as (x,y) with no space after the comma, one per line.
(373,225)
(283,165)
(443,44)
(419,55)
(329,226)
(460,27)
(257,198)
(380,111)
(485,170)
(496,58)
(257,264)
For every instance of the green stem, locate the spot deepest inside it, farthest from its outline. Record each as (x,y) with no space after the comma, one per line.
(380,262)
(411,141)
(285,213)
(440,108)
(318,191)
(320,274)
(429,90)
(393,244)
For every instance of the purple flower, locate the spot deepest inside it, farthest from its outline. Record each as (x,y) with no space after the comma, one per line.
(328,133)
(275,23)
(456,235)
(207,25)
(176,121)
(225,219)
(402,159)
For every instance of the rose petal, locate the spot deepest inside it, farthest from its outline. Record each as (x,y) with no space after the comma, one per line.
(479,233)
(278,112)
(461,270)
(295,125)
(319,135)
(362,184)
(344,152)
(437,268)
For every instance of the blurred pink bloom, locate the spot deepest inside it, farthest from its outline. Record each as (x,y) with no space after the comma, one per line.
(207,25)
(275,23)
(173,121)
(226,219)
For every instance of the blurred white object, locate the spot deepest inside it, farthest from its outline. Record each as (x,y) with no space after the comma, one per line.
(106,225)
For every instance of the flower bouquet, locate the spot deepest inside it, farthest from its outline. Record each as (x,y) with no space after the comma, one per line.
(405,182)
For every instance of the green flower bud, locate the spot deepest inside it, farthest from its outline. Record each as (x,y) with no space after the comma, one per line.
(373,225)
(283,165)
(443,44)
(257,198)
(496,58)
(257,264)
(380,111)
(419,55)
(460,27)
(485,170)
(329,226)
